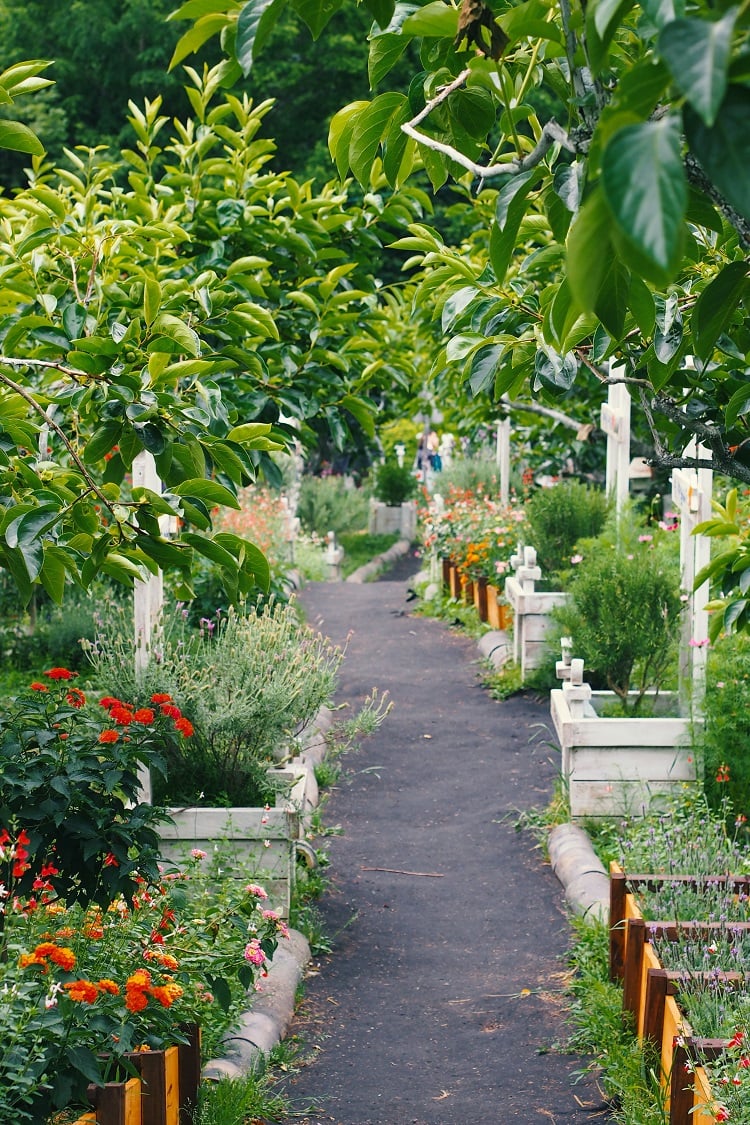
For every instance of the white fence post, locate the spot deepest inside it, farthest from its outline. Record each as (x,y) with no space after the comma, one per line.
(615,422)
(691,495)
(502,455)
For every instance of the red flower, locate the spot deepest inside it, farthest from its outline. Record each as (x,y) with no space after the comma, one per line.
(76,698)
(722,773)
(111,860)
(109,736)
(36,686)
(144,715)
(161,697)
(110,701)
(60,674)
(184,726)
(170,711)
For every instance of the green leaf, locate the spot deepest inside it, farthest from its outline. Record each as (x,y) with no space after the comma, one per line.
(316,13)
(563,313)
(483,367)
(611,303)
(250,558)
(362,410)
(369,128)
(435,20)
(385,51)
(644,183)
(340,134)
(101,441)
(206,27)
(85,1062)
(254,24)
(723,149)
(212,550)
(175,329)
(589,251)
(737,407)
(52,574)
(697,53)
(249,432)
(715,307)
(513,186)
(603,17)
(641,303)
(151,300)
(19,138)
(209,491)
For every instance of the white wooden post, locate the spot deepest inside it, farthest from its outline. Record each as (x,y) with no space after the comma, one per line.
(148,596)
(615,422)
(691,495)
(502,456)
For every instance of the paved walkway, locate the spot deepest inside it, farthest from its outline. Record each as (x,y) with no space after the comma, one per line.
(443,1002)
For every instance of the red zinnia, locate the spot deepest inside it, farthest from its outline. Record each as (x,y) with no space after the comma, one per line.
(76,698)
(161,697)
(144,715)
(109,736)
(60,674)
(110,701)
(184,726)
(170,710)
(36,686)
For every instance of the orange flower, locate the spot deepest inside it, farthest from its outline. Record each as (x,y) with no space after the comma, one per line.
(27,959)
(82,991)
(135,1000)
(76,698)
(64,957)
(107,985)
(141,978)
(144,715)
(166,994)
(109,736)
(121,715)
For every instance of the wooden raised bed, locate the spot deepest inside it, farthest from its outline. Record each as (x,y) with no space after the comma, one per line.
(165,1093)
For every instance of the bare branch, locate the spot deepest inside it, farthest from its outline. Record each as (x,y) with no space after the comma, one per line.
(721,459)
(546,412)
(552,133)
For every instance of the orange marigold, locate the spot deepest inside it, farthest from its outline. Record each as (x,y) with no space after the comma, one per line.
(27,959)
(110,986)
(64,957)
(166,994)
(141,978)
(82,991)
(135,1000)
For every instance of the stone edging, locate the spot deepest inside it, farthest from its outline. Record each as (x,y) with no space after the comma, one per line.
(372,568)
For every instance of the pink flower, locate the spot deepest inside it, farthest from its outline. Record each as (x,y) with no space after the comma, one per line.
(198,853)
(253,953)
(576,559)
(698,644)
(645,538)
(255,890)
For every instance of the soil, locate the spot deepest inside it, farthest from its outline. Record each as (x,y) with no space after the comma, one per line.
(443,1001)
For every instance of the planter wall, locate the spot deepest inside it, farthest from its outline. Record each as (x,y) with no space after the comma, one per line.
(393,519)
(620,766)
(532,622)
(263,838)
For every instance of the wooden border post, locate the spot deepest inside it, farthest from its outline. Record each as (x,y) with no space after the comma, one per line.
(691,495)
(615,422)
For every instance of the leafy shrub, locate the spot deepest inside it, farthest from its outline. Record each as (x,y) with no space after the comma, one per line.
(330,504)
(623,617)
(394,483)
(470,474)
(559,517)
(725,736)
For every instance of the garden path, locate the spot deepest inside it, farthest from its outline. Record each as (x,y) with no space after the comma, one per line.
(442,1002)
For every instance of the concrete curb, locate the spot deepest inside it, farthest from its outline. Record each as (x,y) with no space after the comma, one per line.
(496,646)
(263,1025)
(372,568)
(580,871)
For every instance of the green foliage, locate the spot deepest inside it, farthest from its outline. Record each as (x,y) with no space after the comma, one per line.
(360,547)
(623,618)
(70,781)
(558,517)
(249,684)
(331,503)
(235,1101)
(393,484)
(723,738)
(470,474)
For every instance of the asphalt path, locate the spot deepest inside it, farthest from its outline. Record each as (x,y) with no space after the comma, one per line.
(443,1001)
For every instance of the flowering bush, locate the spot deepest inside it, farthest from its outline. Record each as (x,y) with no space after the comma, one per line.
(730,1079)
(250,682)
(84,986)
(69,773)
(477,532)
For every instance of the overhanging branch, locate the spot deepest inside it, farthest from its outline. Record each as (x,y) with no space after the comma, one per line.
(552,134)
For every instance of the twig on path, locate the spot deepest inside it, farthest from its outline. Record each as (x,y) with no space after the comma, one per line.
(397,871)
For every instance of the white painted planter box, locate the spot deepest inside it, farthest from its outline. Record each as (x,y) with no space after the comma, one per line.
(621,766)
(393,519)
(532,622)
(265,838)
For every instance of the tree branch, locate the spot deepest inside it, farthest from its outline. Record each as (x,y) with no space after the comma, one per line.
(49,421)
(721,459)
(698,178)
(552,133)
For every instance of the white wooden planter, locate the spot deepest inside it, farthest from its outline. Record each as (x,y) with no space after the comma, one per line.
(393,519)
(532,621)
(621,766)
(266,839)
